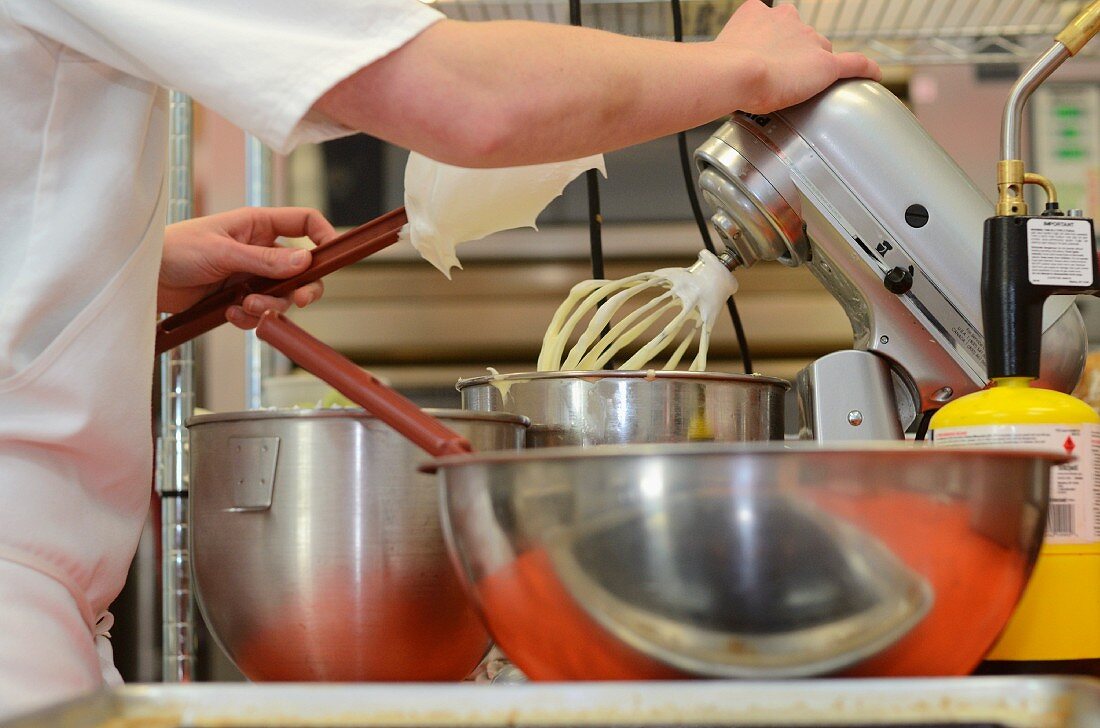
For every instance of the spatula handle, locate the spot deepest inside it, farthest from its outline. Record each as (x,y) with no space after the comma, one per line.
(352,246)
(313,355)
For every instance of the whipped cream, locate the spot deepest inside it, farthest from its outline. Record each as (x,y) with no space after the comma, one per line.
(692,297)
(448,205)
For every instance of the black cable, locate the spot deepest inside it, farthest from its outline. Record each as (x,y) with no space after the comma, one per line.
(922,427)
(697,210)
(592,180)
(595,223)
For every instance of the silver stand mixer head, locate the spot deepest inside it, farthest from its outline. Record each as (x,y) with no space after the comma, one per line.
(849,185)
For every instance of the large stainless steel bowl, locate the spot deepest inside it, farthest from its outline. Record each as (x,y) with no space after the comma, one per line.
(317,548)
(618,407)
(745,560)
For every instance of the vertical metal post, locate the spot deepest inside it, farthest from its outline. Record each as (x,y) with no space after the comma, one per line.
(258,184)
(177,403)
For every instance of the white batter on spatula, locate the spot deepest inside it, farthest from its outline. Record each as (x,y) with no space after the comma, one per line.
(692,296)
(448,205)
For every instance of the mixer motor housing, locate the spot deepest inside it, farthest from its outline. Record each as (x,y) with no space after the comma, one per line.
(850,185)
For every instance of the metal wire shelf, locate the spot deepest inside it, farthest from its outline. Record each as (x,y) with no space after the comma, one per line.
(894,32)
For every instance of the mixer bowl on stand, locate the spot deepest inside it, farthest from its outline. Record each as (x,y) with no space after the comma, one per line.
(756,560)
(317,550)
(617,407)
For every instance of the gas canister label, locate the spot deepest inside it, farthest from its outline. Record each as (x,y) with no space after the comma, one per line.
(1059,252)
(1074,515)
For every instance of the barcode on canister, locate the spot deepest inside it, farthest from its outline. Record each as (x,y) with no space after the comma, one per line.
(1060,521)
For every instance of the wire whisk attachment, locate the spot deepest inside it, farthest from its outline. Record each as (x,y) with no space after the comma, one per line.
(687,301)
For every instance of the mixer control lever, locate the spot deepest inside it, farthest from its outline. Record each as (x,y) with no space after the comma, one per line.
(898,280)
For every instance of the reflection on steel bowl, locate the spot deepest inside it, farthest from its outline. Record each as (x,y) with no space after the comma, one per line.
(317,549)
(618,407)
(745,560)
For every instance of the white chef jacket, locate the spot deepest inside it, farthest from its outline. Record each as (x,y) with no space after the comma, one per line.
(83,134)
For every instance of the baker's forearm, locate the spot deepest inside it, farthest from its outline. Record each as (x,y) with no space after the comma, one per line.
(508,93)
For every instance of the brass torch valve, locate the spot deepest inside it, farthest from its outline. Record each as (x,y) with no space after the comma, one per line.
(1011,179)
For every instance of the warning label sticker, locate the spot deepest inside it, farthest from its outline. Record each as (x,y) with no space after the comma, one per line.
(1059,252)
(1074,514)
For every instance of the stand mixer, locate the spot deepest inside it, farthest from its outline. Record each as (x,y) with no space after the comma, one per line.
(849,185)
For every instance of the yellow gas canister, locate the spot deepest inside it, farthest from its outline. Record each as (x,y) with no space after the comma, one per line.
(1056,626)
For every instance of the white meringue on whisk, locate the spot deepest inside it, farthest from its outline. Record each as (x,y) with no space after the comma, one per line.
(690,299)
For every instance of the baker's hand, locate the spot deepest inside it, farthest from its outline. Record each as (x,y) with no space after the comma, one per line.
(203,254)
(795,61)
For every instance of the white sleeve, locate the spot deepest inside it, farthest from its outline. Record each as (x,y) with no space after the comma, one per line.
(259,63)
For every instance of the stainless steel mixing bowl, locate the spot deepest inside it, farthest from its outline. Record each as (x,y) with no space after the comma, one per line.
(745,560)
(317,548)
(618,407)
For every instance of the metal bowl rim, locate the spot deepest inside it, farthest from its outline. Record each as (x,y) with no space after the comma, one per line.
(358,413)
(766,449)
(651,374)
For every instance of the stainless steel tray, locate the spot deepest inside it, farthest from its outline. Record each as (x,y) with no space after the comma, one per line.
(1009,702)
